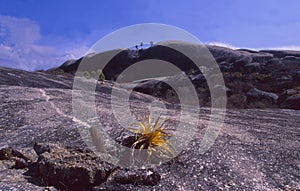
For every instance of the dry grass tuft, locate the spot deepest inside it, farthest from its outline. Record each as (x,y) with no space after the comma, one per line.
(154,138)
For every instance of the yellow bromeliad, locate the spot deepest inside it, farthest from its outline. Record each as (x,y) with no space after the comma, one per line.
(153,138)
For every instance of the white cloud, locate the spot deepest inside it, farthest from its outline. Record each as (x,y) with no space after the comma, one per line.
(227,45)
(77,52)
(223,44)
(19,46)
(20,31)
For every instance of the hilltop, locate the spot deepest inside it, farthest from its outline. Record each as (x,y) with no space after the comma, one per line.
(253,79)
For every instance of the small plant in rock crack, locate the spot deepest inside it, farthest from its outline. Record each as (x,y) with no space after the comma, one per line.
(154,138)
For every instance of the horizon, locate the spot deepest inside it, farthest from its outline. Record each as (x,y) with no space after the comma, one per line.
(40,35)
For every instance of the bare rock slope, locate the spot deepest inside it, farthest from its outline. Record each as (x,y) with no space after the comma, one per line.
(40,147)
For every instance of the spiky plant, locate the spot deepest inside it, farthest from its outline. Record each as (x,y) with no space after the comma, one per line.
(153,137)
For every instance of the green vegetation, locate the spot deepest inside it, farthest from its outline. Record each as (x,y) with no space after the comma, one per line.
(98,74)
(86,74)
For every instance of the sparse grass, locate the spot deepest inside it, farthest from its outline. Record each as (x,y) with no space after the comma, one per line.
(261,76)
(237,75)
(93,74)
(154,138)
(97,139)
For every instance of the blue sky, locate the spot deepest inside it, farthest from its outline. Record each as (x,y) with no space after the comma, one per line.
(43,34)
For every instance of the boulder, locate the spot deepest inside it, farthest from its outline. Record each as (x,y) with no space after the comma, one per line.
(239,64)
(72,169)
(261,57)
(9,153)
(253,67)
(285,94)
(283,82)
(290,92)
(40,148)
(292,102)
(225,66)
(254,95)
(16,159)
(224,54)
(274,62)
(289,58)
